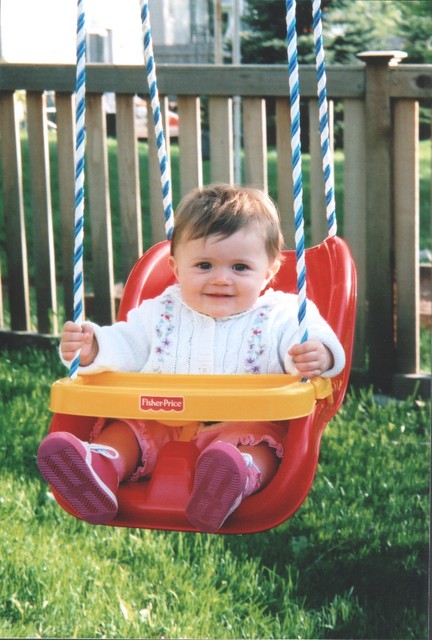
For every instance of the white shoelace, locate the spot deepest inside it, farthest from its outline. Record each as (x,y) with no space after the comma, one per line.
(250,461)
(104,450)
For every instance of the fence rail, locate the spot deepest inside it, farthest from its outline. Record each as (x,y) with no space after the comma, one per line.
(379,100)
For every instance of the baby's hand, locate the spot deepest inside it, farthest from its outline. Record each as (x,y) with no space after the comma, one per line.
(78,337)
(311,358)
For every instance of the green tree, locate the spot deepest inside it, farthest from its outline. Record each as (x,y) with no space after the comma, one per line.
(349,27)
(415,26)
(264,39)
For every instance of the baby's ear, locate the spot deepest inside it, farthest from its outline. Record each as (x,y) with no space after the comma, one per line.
(173,265)
(272,271)
(276,267)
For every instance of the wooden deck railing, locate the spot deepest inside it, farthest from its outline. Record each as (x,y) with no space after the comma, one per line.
(380,104)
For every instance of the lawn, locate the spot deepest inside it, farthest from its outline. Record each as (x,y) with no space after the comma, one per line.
(351,563)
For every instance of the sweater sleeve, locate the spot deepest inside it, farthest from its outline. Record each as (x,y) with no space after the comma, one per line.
(318,329)
(123,346)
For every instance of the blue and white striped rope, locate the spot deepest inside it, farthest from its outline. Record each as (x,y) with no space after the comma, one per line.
(323,119)
(78,311)
(157,119)
(293,73)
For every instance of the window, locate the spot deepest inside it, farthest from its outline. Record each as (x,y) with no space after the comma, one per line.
(99,47)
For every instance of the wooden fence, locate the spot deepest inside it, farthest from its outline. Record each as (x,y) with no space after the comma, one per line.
(379,102)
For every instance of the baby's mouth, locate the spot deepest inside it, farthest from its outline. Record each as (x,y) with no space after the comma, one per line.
(219,295)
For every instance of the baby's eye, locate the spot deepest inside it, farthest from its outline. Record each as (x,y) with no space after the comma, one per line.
(240,267)
(204,265)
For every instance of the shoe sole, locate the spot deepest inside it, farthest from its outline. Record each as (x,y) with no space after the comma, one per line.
(220,478)
(65,465)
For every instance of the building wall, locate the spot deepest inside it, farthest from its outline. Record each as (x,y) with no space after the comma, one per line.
(170,21)
(180,30)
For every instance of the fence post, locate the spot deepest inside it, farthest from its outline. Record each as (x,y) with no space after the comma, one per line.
(43,232)
(406,235)
(14,222)
(355,214)
(380,338)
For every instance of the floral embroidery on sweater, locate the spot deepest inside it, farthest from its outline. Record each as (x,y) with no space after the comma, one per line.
(256,345)
(164,329)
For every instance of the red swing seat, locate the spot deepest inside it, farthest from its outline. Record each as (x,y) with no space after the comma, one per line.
(159,503)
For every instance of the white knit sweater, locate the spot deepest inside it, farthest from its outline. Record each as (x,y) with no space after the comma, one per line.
(163,335)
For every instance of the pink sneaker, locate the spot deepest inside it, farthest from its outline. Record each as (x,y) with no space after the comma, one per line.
(223,477)
(82,474)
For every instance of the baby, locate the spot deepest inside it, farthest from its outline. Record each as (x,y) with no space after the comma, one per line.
(225,249)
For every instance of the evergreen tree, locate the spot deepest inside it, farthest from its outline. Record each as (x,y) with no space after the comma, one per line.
(264,39)
(415,25)
(349,27)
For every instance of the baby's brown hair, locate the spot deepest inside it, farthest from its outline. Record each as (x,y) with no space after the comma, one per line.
(223,209)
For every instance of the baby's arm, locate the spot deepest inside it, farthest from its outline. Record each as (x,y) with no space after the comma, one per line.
(78,337)
(311,358)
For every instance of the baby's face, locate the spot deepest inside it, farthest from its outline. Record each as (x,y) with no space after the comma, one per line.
(220,277)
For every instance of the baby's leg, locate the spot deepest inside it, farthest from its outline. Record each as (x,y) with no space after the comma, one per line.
(87,474)
(242,459)
(84,475)
(121,437)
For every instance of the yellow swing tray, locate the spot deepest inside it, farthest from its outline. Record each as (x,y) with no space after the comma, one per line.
(178,398)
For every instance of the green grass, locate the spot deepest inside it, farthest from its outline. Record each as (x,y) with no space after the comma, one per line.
(425,195)
(351,563)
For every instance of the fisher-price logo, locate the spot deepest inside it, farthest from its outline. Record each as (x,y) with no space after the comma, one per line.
(161,403)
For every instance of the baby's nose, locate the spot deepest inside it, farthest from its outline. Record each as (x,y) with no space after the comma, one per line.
(222,276)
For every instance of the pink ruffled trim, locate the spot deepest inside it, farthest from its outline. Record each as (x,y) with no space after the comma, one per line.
(148,450)
(250,439)
(98,426)
(244,433)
